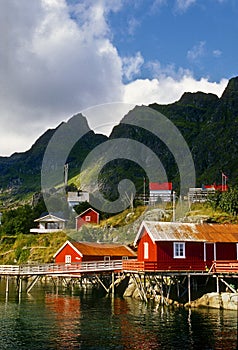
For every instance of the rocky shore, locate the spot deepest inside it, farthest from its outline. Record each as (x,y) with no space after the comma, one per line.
(226,300)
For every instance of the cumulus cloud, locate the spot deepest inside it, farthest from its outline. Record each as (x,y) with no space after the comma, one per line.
(167,89)
(53,66)
(57,58)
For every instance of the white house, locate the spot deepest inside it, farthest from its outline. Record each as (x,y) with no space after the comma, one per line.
(160,191)
(49,223)
(74,198)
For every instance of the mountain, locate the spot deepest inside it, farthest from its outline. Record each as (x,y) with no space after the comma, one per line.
(207,123)
(21,172)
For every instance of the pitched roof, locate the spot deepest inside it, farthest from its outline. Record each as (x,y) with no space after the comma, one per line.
(177,231)
(85,211)
(164,186)
(99,249)
(49,218)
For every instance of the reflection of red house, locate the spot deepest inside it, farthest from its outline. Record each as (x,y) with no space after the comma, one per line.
(71,252)
(89,216)
(185,246)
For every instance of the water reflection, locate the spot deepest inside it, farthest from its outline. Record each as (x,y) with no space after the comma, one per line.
(46,320)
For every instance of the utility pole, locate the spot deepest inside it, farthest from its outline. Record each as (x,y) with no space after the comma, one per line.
(174,206)
(144,191)
(66,170)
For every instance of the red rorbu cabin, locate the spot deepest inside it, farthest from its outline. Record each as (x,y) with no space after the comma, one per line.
(73,252)
(89,216)
(174,246)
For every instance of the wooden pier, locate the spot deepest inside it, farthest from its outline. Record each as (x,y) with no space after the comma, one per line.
(146,276)
(85,271)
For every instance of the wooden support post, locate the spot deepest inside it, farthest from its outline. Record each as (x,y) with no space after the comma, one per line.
(162,290)
(189,288)
(218,290)
(113,284)
(28,289)
(20,285)
(7,285)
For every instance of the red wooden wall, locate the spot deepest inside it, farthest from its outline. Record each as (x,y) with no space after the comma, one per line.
(67,250)
(81,220)
(152,248)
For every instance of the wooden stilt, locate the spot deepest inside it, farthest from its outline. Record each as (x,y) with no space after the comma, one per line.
(189,288)
(113,284)
(218,290)
(7,284)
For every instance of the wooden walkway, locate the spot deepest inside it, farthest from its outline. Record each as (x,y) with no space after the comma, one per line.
(61,269)
(218,267)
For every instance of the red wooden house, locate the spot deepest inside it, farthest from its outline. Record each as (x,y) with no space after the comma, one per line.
(73,252)
(172,246)
(89,216)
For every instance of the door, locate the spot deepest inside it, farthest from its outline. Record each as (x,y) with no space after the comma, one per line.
(209,254)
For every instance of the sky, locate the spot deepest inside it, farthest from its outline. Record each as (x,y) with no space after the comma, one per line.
(61,57)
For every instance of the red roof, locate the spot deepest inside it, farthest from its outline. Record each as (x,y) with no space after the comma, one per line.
(99,249)
(222,188)
(158,186)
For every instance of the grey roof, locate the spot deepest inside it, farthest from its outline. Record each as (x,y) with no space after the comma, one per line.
(178,231)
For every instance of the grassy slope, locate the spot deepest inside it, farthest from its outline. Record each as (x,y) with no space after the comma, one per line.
(119,228)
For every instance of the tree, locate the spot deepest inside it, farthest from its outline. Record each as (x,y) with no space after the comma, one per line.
(226,201)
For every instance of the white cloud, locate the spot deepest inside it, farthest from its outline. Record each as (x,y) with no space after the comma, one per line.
(133,23)
(217,53)
(52,67)
(197,51)
(132,65)
(58,59)
(166,89)
(183,5)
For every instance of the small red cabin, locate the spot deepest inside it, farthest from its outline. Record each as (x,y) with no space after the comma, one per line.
(185,246)
(89,216)
(73,252)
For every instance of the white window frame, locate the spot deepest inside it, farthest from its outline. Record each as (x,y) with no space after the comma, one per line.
(87,218)
(178,247)
(146,250)
(68,259)
(236,251)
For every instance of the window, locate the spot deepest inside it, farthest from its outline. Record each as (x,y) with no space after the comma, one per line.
(146,250)
(179,250)
(87,218)
(67,259)
(236,251)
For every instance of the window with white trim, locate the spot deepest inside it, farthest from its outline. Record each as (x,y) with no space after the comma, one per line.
(236,251)
(87,218)
(179,250)
(67,259)
(146,250)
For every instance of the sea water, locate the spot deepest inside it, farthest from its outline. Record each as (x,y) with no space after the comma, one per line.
(51,318)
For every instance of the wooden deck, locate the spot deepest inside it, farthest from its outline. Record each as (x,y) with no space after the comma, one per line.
(223,266)
(220,266)
(61,269)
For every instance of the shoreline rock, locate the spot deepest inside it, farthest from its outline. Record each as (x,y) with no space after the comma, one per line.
(226,301)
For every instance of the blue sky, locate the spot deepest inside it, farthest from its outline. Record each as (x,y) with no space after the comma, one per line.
(61,57)
(196,35)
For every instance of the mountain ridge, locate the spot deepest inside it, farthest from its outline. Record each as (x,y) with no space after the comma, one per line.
(208,124)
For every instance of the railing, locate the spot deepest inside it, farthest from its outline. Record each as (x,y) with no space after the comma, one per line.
(225,266)
(54,269)
(134,265)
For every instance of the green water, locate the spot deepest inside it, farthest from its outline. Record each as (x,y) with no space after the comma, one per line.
(45,320)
